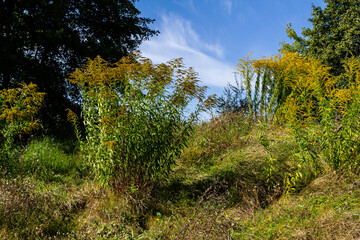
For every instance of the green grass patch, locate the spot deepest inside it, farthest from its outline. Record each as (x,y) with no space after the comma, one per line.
(50,160)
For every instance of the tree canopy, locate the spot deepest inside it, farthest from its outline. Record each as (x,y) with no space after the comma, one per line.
(334,36)
(41,41)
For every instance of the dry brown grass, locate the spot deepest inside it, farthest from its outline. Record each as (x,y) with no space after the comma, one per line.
(31,210)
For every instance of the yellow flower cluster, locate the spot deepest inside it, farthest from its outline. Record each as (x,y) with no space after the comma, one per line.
(294,87)
(71,116)
(18,106)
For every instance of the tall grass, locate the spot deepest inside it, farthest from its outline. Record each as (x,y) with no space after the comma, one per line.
(49,160)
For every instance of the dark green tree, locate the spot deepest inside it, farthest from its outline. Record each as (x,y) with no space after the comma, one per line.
(41,41)
(334,36)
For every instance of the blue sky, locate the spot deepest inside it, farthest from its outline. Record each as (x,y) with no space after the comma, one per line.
(212,35)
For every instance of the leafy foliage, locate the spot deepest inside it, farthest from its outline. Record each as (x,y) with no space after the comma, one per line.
(42,41)
(134,114)
(333,36)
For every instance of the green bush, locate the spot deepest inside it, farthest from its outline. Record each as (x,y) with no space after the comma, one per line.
(135,115)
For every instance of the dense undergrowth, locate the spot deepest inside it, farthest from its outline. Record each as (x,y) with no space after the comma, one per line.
(229,183)
(281,163)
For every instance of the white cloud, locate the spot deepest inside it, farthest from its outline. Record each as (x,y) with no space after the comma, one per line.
(177,38)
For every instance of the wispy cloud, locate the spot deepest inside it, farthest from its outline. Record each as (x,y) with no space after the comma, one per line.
(178,39)
(189,4)
(227,4)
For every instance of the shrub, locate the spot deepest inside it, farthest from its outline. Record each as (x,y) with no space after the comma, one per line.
(135,117)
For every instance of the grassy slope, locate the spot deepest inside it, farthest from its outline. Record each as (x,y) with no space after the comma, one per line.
(228,184)
(326,209)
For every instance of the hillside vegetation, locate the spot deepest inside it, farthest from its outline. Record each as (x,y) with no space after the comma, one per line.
(231,182)
(283,165)
(278,159)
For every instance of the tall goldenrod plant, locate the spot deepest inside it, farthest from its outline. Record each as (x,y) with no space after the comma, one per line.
(323,118)
(18,109)
(301,92)
(135,115)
